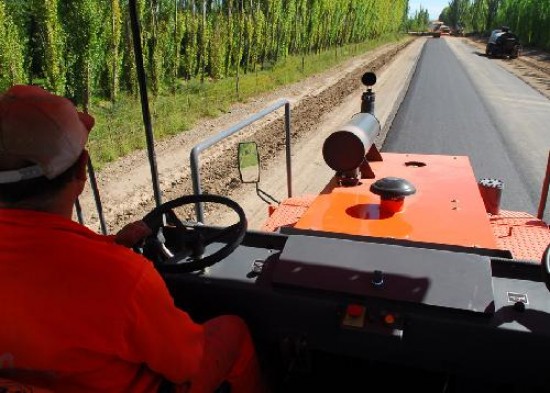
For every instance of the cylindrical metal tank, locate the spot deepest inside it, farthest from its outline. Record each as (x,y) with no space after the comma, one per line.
(345,149)
(491,192)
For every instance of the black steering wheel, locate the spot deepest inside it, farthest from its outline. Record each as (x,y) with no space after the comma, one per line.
(178,247)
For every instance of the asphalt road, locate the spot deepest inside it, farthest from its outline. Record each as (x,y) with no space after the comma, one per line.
(462,103)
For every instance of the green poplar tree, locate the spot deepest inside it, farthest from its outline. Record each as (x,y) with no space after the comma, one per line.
(11,51)
(114,57)
(51,39)
(83,53)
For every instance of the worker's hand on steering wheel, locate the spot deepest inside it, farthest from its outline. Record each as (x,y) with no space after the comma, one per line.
(133,234)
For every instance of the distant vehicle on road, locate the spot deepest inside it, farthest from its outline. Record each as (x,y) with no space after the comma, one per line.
(445,30)
(435,28)
(458,31)
(503,43)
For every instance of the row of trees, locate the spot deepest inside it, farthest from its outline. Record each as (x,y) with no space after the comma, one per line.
(472,15)
(420,21)
(530,19)
(83,48)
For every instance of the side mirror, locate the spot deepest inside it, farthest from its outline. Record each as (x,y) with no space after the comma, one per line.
(249,162)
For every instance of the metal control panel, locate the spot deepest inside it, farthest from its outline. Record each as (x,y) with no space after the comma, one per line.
(419,276)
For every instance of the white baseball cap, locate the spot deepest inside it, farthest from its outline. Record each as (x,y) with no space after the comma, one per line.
(41,134)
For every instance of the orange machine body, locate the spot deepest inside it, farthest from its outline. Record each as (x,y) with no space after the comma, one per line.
(446,209)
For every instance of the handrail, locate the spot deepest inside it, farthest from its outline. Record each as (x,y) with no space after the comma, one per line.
(194,156)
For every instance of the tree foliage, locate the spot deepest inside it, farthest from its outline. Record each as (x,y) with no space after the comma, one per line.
(420,21)
(83,48)
(11,51)
(456,14)
(51,38)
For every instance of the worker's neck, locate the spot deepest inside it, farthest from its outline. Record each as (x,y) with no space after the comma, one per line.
(57,209)
(61,204)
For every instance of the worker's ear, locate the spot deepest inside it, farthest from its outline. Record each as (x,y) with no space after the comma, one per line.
(81,173)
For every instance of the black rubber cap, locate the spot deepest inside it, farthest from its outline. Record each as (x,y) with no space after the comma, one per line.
(369,79)
(392,188)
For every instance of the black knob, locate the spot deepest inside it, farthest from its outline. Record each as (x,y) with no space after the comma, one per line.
(369,79)
(392,188)
(378,278)
(519,306)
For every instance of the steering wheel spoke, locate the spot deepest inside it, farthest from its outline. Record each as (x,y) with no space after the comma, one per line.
(173,219)
(214,236)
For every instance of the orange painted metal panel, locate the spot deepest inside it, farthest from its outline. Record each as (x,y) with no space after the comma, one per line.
(524,235)
(447,207)
(287,213)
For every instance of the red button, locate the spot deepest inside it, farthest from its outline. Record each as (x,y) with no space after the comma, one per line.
(355,310)
(389,319)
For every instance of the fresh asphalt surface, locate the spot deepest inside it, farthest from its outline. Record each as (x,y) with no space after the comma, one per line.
(463,103)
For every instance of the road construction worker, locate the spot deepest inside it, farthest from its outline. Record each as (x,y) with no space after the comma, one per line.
(81,312)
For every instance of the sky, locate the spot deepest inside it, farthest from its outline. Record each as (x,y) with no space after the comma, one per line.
(434,7)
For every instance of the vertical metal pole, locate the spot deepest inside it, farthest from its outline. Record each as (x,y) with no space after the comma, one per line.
(288,143)
(367,102)
(138,54)
(544,193)
(95,190)
(78,209)
(199,210)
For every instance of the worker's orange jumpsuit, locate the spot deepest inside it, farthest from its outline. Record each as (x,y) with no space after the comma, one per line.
(80,313)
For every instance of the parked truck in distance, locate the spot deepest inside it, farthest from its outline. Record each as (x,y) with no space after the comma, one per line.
(503,43)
